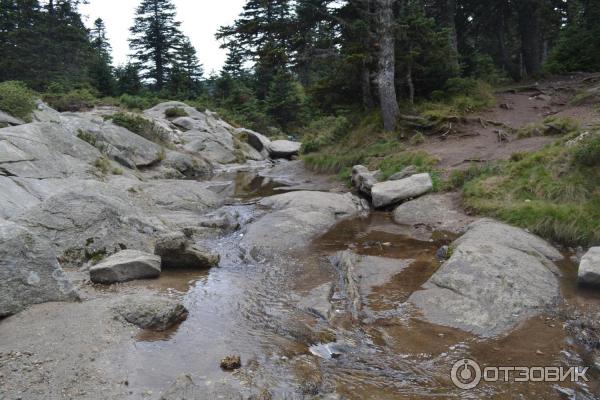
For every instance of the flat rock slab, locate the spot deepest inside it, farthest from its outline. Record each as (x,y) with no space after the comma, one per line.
(284,148)
(295,218)
(437,211)
(153,313)
(29,271)
(497,275)
(589,268)
(392,192)
(126,265)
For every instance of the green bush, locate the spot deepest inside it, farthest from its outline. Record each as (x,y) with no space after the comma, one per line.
(17,100)
(138,102)
(175,112)
(73,100)
(141,126)
(588,153)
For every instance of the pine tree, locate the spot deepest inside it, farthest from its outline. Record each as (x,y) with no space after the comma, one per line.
(128,79)
(155,36)
(186,74)
(234,64)
(101,74)
(283,99)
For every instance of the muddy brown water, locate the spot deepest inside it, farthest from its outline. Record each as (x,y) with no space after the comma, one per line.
(251,309)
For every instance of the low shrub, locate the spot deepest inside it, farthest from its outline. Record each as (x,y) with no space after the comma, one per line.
(322,132)
(550,126)
(141,126)
(138,102)
(73,100)
(175,112)
(588,153)
(17,100)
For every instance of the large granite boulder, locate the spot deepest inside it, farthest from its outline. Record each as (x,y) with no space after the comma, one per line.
(9,120)
(284,149)
(497,275)
(392,192)
(295,218)
(29,271)
(258,141)
(124,266)
(589,268)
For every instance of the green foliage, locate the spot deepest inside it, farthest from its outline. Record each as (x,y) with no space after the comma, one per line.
(417,139)
(543,191)
(459,178)
(587,153)
(175,112)
(138,102)
(284,99)
(87,137)
(141,126)
(323,131)
(73,100)
(462,96)
(550,126)
(16,99)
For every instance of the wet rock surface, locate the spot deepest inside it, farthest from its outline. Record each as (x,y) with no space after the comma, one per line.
(177,251)
(124,266)
(589,268)
(488,286)
(151,312)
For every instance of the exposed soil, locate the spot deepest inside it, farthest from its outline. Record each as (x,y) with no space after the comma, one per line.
(478,140)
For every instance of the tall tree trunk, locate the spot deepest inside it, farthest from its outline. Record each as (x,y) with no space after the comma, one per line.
(447,10)
(365,85)
(387,65)
(531,37)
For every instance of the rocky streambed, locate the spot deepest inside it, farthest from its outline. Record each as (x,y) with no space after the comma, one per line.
(251,255)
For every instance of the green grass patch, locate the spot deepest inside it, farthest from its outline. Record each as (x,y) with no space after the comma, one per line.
(550,126)
(550,192)
(17,100)
(460,97)
(141,126)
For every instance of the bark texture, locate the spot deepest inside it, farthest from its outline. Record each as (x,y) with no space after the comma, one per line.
(387,66)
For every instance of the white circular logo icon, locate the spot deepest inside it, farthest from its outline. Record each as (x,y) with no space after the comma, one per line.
(466,374)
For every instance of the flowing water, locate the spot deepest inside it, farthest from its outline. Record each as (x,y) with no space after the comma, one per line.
(249,308)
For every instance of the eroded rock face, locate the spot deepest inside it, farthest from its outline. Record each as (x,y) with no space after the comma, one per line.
(151,312)
(177,251)
(126,265)
(589,268)
(295,218)
(29,271)
(9,120)
(284,149)
(392,192)
(496,276)
(91,219)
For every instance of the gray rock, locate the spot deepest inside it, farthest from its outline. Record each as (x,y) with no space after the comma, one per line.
(177,251)
(90,220)
(121,145)
(391,192)
(216,146)
(258,141)
(126,265)
(589,268)
(184,388)
(363,179)
(45,113)
(284,149)
(438,211)
(8,120)
(29,271)
(177,195)
(491,282)
(317,301)
(295,218)
(153,313)
(405,173)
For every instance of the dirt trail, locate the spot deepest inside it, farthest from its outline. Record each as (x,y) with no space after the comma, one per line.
(478,139)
